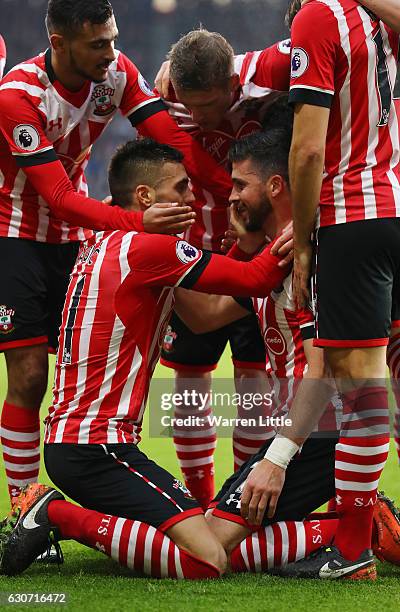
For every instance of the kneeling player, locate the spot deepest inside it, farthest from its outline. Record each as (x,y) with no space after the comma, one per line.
(117,306)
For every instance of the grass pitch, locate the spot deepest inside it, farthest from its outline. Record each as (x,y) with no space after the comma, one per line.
(90,580)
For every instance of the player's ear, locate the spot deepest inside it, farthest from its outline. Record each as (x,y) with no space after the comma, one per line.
(275,185)
(57,42)
(145,195)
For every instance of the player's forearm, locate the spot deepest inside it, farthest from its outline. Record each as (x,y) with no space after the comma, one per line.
(387,10)
(306,163)
(257,278)
(67,205)
(204,313)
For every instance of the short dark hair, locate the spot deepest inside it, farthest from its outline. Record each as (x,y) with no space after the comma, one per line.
(292,10)
(138,162)
(68,16)
(201,60)
(279,114)
(269,151)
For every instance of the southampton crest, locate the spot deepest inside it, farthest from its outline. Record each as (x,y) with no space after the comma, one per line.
(102,97)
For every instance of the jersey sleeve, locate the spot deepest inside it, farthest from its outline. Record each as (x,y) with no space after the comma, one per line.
(138,101)
(3,55)
(167,261)
(273,67)
(313,56)
(22,125)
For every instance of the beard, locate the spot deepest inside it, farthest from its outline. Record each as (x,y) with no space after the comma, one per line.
(257,216)
(77,70)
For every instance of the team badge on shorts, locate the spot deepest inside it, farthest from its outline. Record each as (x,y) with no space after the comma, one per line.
(300,62)
(26,137)
(185,252)
(101,96)
(169,338)
(6,323)
(178,485)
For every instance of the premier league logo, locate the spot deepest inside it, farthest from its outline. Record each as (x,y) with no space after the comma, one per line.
(300,62)
(185,252)
(101,96)
(26,137)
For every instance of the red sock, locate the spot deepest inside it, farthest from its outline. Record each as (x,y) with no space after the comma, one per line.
(281,543)
(360,457)
(393,361)
(247,441)
(195,445)
(133,544)
(20,438)
(332,505)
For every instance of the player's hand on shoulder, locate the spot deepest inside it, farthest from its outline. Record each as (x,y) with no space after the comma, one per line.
(261,492)
(283,246)
(168,218)
(162,80)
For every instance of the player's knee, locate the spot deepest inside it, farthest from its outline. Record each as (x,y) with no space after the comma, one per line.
(215,556)
(27,380)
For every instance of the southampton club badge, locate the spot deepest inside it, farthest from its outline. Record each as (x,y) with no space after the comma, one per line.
(300,62)
(6,324)
(101,96)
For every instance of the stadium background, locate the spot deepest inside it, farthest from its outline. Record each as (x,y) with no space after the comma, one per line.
(147,29)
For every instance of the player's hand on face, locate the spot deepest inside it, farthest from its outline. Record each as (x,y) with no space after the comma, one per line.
(283,246)
(229,240)
(261,492)
(168,218)
(301,275)
(162,80)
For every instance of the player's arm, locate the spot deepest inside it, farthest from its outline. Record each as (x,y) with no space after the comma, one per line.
(23,127)
(265,483)
(314,52)
(387,10)
(204,313)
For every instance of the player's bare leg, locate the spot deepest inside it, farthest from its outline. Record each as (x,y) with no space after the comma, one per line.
(194,445)
(248,440)
(27,372)
(393,362)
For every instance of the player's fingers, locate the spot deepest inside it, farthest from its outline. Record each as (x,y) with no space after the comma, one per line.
(181,213)
(244,501)
(273,500)
(262,504)
(161,78)
(286,260)
(253,507)
(178,228)
(286,247)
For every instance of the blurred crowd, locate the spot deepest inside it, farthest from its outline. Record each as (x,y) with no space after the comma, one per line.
(147,30)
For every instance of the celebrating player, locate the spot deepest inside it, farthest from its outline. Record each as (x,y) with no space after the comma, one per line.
(217,98)
(52,109)
(343,71)
(140,515)
(117,306)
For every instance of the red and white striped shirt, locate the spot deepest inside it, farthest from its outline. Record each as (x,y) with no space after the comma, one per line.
(41,121)
(3,55)
(264,75)
(117,307)
(344,58)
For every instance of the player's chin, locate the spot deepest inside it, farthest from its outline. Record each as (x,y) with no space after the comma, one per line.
(100,75)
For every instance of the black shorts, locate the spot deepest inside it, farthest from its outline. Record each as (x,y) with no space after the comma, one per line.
(309,483)
(357,283)
(184,350)
(119,479)
(34,282)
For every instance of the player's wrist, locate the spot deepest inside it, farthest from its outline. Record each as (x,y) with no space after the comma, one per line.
(281,451)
